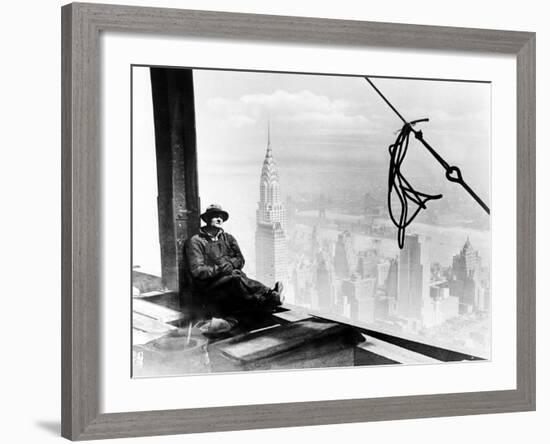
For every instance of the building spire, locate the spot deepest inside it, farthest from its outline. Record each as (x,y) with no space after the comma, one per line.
(269,169)
(268,134)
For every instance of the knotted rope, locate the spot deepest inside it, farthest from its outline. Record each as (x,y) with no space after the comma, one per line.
(398,185)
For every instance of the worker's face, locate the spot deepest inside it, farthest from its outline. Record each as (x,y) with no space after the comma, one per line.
(216,221)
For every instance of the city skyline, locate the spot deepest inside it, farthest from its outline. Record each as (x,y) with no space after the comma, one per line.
(400,291)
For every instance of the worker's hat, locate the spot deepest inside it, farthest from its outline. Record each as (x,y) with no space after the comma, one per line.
(214,210)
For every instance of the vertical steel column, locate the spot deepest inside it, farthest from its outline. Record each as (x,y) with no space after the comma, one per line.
(176,152)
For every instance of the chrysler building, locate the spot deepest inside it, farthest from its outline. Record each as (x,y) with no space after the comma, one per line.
(271,238)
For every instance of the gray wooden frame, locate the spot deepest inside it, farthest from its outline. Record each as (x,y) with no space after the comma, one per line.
(81,167)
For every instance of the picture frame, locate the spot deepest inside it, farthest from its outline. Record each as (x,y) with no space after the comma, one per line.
(81,244)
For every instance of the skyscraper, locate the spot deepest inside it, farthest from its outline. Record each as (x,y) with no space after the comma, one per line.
(464,282)
(441,305)
(324,280)
(413,278)
(315,247)
(466,264)
(390,283)
(344,256)
(361,294)
(271,237)
(367,263)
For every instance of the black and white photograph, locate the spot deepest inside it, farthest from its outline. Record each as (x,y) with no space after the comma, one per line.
(291,221)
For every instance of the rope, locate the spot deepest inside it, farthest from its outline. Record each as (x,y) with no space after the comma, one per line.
(402,188)
(397,183)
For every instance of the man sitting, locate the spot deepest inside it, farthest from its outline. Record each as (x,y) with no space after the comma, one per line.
(215,264)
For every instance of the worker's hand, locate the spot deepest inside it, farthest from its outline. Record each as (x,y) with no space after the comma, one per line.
(225,268)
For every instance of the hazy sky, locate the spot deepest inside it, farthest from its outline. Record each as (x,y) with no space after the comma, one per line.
(320,122)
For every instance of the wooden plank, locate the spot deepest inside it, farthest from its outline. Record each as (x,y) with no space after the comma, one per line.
(292,315)
(265,344)
(151,294)
(156,311)
(306,344)
(394,352)
(149,325)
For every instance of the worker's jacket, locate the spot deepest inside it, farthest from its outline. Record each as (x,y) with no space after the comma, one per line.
(205,255)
